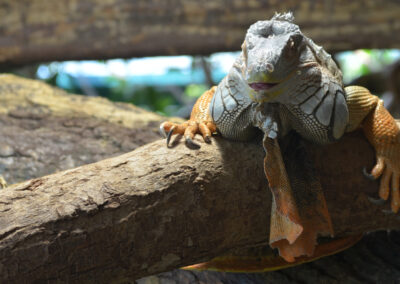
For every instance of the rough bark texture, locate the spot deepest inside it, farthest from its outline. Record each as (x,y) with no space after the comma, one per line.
(37,30)
(156,208)
(44,129)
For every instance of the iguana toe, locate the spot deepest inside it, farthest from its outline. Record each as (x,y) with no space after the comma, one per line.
(377,170)
(389,173)
(389,182)
(395,202)
(384,187)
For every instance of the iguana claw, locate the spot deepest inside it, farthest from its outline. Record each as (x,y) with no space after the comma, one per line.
(162,130)
(376,201)
(200,122)
(389,181)
(170,134)
(368,175)
(164,133)
(191,144)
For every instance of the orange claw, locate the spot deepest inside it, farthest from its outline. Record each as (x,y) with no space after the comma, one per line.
(389,185)
(390,177)
(200,122)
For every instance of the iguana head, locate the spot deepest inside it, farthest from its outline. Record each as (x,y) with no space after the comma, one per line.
(275,53)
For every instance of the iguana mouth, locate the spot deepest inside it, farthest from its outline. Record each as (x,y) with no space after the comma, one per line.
(262,86)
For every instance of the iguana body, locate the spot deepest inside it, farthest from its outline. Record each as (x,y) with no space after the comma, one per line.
(282,81)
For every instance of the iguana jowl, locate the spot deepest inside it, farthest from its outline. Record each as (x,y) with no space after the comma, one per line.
(283,81)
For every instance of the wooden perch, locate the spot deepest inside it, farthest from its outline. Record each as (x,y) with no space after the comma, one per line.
(36,30)
(158,208)
(90,225)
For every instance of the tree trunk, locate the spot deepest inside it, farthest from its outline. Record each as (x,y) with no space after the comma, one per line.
(149,210)
(37,30)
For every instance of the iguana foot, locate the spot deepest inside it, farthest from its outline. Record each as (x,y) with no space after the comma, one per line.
(3,183)
(390,179)
(188,129)
(384,134)
(200,122)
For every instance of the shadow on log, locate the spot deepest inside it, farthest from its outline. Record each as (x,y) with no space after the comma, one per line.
(36,31)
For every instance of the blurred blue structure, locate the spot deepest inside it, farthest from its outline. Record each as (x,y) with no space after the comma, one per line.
(171,78)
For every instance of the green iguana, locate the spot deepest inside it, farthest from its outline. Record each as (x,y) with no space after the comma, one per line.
(283,81)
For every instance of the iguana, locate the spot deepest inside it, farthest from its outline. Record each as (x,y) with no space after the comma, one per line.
(283,81)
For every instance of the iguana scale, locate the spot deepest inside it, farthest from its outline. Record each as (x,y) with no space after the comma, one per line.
(283,81)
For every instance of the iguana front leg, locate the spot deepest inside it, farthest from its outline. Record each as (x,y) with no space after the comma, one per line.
(200,121)
(380,128)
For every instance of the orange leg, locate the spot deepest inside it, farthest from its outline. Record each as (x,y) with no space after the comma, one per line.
(200,122)
(384,134)
(382,131)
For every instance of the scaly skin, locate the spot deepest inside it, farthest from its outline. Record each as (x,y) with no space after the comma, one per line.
(383,133)
(200,121)
(283,81)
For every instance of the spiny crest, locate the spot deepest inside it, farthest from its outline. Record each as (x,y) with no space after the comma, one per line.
(288,17)
(278,25)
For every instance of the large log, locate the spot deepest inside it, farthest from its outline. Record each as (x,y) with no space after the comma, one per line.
(157,208)
(37,30)
(152,209)
(43,130)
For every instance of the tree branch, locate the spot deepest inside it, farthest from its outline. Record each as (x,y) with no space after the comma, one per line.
(36,31)
(147,211)
(157,208)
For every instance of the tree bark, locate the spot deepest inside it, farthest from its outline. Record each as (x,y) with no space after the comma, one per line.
(37,30)
(44,129)
(157,208)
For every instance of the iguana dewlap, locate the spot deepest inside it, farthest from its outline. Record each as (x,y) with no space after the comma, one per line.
(283,81)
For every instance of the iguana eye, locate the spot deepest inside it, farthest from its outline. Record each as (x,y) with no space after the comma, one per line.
(291,43)
(295,40)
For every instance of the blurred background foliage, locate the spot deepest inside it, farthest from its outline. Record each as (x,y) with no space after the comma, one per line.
(170,85)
